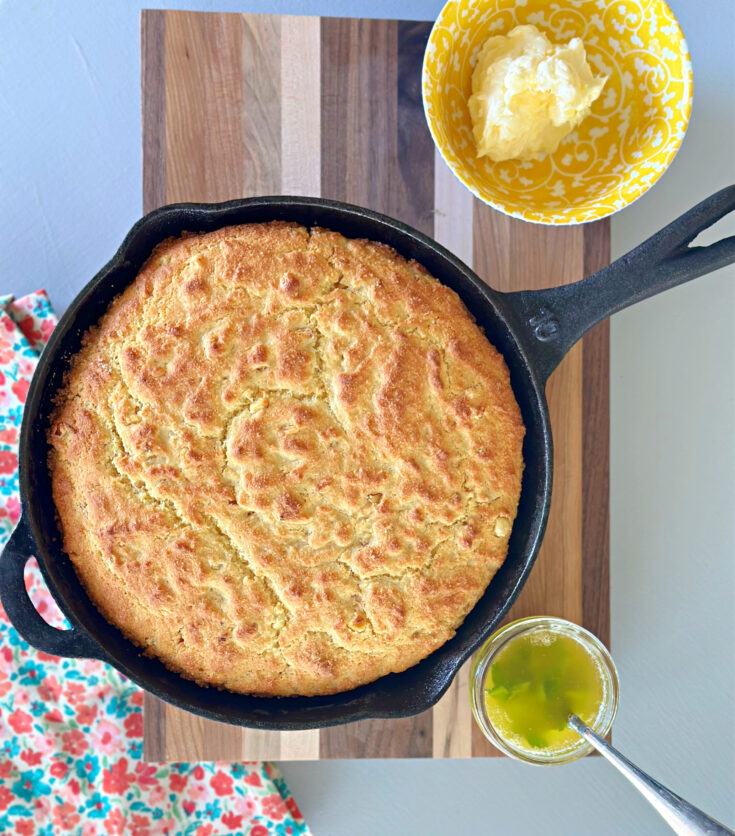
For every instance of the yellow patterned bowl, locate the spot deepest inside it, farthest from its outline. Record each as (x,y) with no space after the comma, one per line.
(618,152)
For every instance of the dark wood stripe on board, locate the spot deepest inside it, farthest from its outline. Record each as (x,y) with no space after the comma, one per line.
(596,451)
(153,107)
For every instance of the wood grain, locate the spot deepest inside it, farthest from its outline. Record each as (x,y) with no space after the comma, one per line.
(237,105)
(188,736)
(204,143)
(153,107)
(301,135)
(259,116)
(596,451)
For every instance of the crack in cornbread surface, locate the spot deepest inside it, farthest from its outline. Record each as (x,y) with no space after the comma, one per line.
(286,462)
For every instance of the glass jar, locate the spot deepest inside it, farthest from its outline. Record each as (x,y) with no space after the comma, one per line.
(597,650)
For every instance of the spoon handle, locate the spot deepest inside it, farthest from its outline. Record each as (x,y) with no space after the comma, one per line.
(681,816)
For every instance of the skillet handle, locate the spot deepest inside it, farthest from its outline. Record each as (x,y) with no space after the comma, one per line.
(73,643)
(554,319)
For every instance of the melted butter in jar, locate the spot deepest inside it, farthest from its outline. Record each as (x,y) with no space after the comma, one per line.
(535,682)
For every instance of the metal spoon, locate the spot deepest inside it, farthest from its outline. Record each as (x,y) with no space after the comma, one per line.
(681,816)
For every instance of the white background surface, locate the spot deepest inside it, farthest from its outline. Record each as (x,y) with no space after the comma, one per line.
(69,189)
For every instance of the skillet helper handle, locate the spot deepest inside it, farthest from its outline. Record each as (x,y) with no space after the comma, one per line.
(556,318)
(72,643)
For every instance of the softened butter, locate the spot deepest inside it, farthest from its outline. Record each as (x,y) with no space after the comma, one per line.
(529,93)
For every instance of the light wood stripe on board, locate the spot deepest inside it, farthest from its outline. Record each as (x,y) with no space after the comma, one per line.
(300,118)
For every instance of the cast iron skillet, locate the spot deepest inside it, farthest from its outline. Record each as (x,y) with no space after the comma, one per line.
(533,330)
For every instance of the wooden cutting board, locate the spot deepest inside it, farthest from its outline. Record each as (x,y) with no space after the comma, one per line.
(238,105)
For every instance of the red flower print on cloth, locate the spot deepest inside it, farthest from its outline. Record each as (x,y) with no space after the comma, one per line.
(8,461)
(65,816)
(86,714)
(115,823)
(221,783)
(117,779)
(74,742)
(31,758)
(9,435)
(145,774)
(177,782)
(293,808)
(49,689)
(140,826)
(253,780)
(30,314)
(5,797)
(134,725)
(20,722)
(59,769)
(232,820)
(274,807)
(20,389)
(13,509)
(71,729)
(75,692)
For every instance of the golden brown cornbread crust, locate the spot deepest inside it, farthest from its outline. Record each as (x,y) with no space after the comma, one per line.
(286,462)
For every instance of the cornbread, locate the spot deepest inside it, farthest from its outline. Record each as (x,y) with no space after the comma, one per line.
(285,462)
(529,93)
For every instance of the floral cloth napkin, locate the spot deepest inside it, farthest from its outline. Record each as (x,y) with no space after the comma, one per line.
(71,730)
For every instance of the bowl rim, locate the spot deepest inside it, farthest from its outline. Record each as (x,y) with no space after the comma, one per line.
(556,220)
